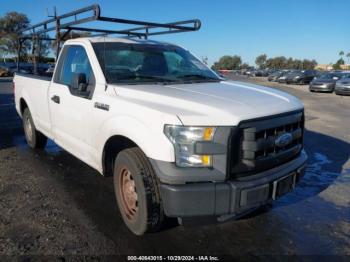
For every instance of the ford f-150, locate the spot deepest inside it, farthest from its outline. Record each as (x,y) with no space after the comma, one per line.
(179,140)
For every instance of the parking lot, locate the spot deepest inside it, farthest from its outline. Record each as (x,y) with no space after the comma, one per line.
(52,203)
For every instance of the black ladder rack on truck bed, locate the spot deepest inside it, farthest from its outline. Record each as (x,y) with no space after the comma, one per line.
(66,23)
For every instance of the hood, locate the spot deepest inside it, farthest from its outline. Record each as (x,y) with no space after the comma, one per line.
(219,103)
(345,81)
(291,76)
(324,81)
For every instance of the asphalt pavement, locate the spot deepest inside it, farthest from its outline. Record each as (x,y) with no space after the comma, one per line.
(53,204)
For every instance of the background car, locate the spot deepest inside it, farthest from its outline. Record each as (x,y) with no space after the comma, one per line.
(52,68)
(216,71)
(342,86)
(283,78)
(275,75)
(250,72)
(290,76)
(260,73)
(301,77)
(21,69)
(325,82)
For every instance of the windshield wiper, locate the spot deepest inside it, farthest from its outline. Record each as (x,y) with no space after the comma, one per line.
(161,79)
(200,77)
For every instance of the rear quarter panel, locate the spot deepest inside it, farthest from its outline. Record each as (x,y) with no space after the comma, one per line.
(34,92)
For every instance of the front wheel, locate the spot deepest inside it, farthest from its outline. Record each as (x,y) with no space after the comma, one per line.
(34,138)
(137,192)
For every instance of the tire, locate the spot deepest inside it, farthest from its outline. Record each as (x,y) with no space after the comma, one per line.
(137,191)
(34,138)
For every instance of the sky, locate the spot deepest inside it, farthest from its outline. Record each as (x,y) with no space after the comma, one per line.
(311,29)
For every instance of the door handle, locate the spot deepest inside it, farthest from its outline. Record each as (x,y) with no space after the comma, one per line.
(56,99)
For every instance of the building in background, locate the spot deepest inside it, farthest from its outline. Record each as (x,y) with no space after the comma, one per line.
(324,67)
(345,67)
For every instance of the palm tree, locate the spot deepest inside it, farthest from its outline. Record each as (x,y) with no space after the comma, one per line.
(348,56)
(341,53)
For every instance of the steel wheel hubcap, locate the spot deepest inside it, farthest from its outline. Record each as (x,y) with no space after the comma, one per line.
(28,129)
(128,193)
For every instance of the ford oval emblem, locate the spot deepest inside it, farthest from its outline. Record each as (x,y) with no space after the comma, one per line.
(284,140)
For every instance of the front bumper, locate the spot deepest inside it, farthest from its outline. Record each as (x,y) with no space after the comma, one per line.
(322,88)
(230,198)
(342,90)
(295,80)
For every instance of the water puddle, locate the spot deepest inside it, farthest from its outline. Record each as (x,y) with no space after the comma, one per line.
(316,179)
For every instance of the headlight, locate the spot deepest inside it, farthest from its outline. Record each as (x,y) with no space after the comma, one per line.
(184,139)
(297,77)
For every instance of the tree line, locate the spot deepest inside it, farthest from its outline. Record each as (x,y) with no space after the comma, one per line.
(281,62)
(11,25)
(262,61)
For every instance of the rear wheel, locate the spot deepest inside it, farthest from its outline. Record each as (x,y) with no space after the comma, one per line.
(34,138)
(137,192)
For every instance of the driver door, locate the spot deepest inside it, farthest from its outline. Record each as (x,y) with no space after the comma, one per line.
(70,100)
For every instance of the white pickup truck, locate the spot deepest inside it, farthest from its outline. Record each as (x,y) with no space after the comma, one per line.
(179,140)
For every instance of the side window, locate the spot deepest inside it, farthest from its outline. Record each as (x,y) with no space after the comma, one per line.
(76,72)
(174,61)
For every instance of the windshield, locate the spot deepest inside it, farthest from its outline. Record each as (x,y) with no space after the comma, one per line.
(294,73)
(278,73)
(329,76)
(142,63)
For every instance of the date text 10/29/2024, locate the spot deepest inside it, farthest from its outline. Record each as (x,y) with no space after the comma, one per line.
(173,258)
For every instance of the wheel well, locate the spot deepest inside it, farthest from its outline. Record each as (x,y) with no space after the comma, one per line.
(23,105)
(112,148)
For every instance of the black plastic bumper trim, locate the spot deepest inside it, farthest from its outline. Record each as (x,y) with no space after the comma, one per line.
(225,198)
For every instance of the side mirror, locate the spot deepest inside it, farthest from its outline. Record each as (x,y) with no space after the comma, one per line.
(79,82)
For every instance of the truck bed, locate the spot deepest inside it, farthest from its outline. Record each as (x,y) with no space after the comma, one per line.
(34,90)
(46,77)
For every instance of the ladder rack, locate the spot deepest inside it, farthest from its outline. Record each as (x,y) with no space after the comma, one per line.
(62,25)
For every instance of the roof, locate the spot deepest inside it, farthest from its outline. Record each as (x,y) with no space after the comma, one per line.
(123,40)
(119,40)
